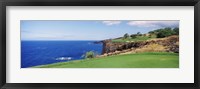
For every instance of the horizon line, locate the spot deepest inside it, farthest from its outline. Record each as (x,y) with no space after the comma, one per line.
(60,40)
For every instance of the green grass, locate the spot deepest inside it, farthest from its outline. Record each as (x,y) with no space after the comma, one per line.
(139,60)
(138,38)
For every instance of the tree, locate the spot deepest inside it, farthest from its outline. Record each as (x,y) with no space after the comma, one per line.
(165,32)
(155,32)
(90,54)
(139,34)
(151,32)
(162,34)
(133,36)
(126,35)
(176,30)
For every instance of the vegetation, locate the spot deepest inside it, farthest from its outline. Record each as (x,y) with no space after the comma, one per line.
(138,60)
(126,36)
(148,56)
(176,30)
(90,54)
(133,39)
(133,36)
(139,34)
(159,33)
(165,32)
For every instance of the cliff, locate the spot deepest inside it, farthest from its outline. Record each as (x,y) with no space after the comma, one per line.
(170,43)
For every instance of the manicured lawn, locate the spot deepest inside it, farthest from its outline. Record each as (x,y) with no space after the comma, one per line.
(138,38)
(139,60)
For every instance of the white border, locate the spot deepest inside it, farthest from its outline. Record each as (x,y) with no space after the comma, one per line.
(183,74)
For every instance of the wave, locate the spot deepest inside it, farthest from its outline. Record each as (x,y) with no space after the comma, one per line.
(64,58)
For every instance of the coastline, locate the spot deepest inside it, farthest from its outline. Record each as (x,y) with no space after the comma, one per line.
(45,52)
(137,60)
(111,48)
(134,49)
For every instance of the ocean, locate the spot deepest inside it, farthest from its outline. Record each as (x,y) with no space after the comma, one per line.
(34,53)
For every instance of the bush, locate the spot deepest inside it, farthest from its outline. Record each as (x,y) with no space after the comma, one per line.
(133,36)
(126,35)
(165,32)
(139,34)
(176,30)
(90,54)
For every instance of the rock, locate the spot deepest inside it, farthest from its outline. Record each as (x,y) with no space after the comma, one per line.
(110,47)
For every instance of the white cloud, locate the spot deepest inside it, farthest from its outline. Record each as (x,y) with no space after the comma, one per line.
(111,22)
(154,24)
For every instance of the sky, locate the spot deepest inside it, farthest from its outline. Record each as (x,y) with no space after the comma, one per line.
(87,29)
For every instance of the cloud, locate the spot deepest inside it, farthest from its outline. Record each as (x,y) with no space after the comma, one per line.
(155,24)
(111,22)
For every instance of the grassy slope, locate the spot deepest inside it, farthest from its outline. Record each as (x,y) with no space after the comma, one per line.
(140,60)
(138,38)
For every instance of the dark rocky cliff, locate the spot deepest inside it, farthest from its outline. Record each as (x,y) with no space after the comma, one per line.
(172,43)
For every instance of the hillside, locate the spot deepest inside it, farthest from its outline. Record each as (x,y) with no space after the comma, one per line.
(153,53)
(138,60)
(167,44)
(156,49)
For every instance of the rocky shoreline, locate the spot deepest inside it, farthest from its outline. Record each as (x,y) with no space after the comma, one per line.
(170,44)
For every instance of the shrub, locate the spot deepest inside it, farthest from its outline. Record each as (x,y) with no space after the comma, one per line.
(139,34)
(176,30)
(126,35)
(164,32)
(90,54)
(133,36)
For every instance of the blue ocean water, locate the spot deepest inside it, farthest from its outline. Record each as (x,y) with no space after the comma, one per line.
(35,53)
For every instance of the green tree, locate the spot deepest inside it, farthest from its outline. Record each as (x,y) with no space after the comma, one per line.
(139,34)
(126,35)
(176,30)
(133,36)
(165,32)
(155,32)
(90,54)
